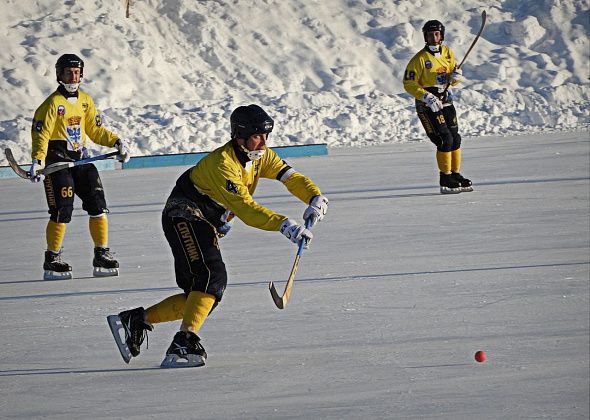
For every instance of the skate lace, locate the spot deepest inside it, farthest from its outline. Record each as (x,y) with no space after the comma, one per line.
(106,254)
(138,335)
(56,257)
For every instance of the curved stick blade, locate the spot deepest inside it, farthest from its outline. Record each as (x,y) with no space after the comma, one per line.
(281,301)
(278,300)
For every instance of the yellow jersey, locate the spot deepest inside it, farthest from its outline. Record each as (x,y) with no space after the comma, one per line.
(229,180)
(427,71)
(61,125)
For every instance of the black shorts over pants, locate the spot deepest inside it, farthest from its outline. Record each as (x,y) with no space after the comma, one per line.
(197,258)
(441,127)
(83,181)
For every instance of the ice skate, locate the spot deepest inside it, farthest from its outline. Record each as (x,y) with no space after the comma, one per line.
(55,268)
(129,329)
(105,265)
(448,185)
(186,350)
(464,183)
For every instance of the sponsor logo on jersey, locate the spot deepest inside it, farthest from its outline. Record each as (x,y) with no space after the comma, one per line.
(231,187)
(74,120)
(61,110)
(428,64)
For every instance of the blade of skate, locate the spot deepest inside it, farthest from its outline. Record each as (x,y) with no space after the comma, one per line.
(117,328)
(176,361)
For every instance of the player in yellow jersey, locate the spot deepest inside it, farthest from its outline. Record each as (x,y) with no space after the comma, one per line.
(200,210)
(427,78)
(61,125)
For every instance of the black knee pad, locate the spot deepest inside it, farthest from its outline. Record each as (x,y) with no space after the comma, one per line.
(456,142)
(446,143)
(95,205)
(61,214)
(436,140)
(218,280)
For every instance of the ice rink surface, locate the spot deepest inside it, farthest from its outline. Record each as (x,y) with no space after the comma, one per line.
(401,286)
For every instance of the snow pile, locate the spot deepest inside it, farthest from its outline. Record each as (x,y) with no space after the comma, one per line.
(329,71)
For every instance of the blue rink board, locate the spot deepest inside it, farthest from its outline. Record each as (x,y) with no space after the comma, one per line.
(183,159)
(188,159)
(102,165)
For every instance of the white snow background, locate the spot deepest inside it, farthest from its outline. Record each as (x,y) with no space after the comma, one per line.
(401,285)
(329,71)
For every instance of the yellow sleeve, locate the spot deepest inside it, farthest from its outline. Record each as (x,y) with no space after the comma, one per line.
(42,127)
(412,76)
(225,185)
(299,185)
(453,65)
(94,128)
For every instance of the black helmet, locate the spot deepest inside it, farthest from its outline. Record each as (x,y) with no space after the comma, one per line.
(433,25)
(248,120)
(69,60)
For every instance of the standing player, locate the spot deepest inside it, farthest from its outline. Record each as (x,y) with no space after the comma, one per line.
(199,210)
(60,127)
(427,79)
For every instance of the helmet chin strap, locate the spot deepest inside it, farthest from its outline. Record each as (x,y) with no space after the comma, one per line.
(70,87)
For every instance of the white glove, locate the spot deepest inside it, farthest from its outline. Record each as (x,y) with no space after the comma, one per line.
(36,165)
(456,75)
(318,207)
(295,232)
(124,155)
(432,101)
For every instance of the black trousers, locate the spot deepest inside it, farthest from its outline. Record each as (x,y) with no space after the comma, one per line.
(83,181)
(441,127)
(197,258)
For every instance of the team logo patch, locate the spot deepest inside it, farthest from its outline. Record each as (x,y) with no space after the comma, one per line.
(74,137)
(428,64)
(98,121)
(441,79)
(61,110)
(37,125)
(231,187)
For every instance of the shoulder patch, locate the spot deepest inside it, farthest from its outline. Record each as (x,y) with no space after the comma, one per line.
(231,187)
(37,125)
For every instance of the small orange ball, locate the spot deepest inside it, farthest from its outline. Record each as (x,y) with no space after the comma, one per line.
(480,356)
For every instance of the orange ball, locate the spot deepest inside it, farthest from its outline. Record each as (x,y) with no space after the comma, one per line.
(480,356)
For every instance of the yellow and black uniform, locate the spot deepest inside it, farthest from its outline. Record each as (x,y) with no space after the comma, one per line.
(209,194)
(200,208)
(61,126)
(430,72)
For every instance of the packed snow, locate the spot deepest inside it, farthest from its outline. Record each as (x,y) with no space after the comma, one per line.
(328,71)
